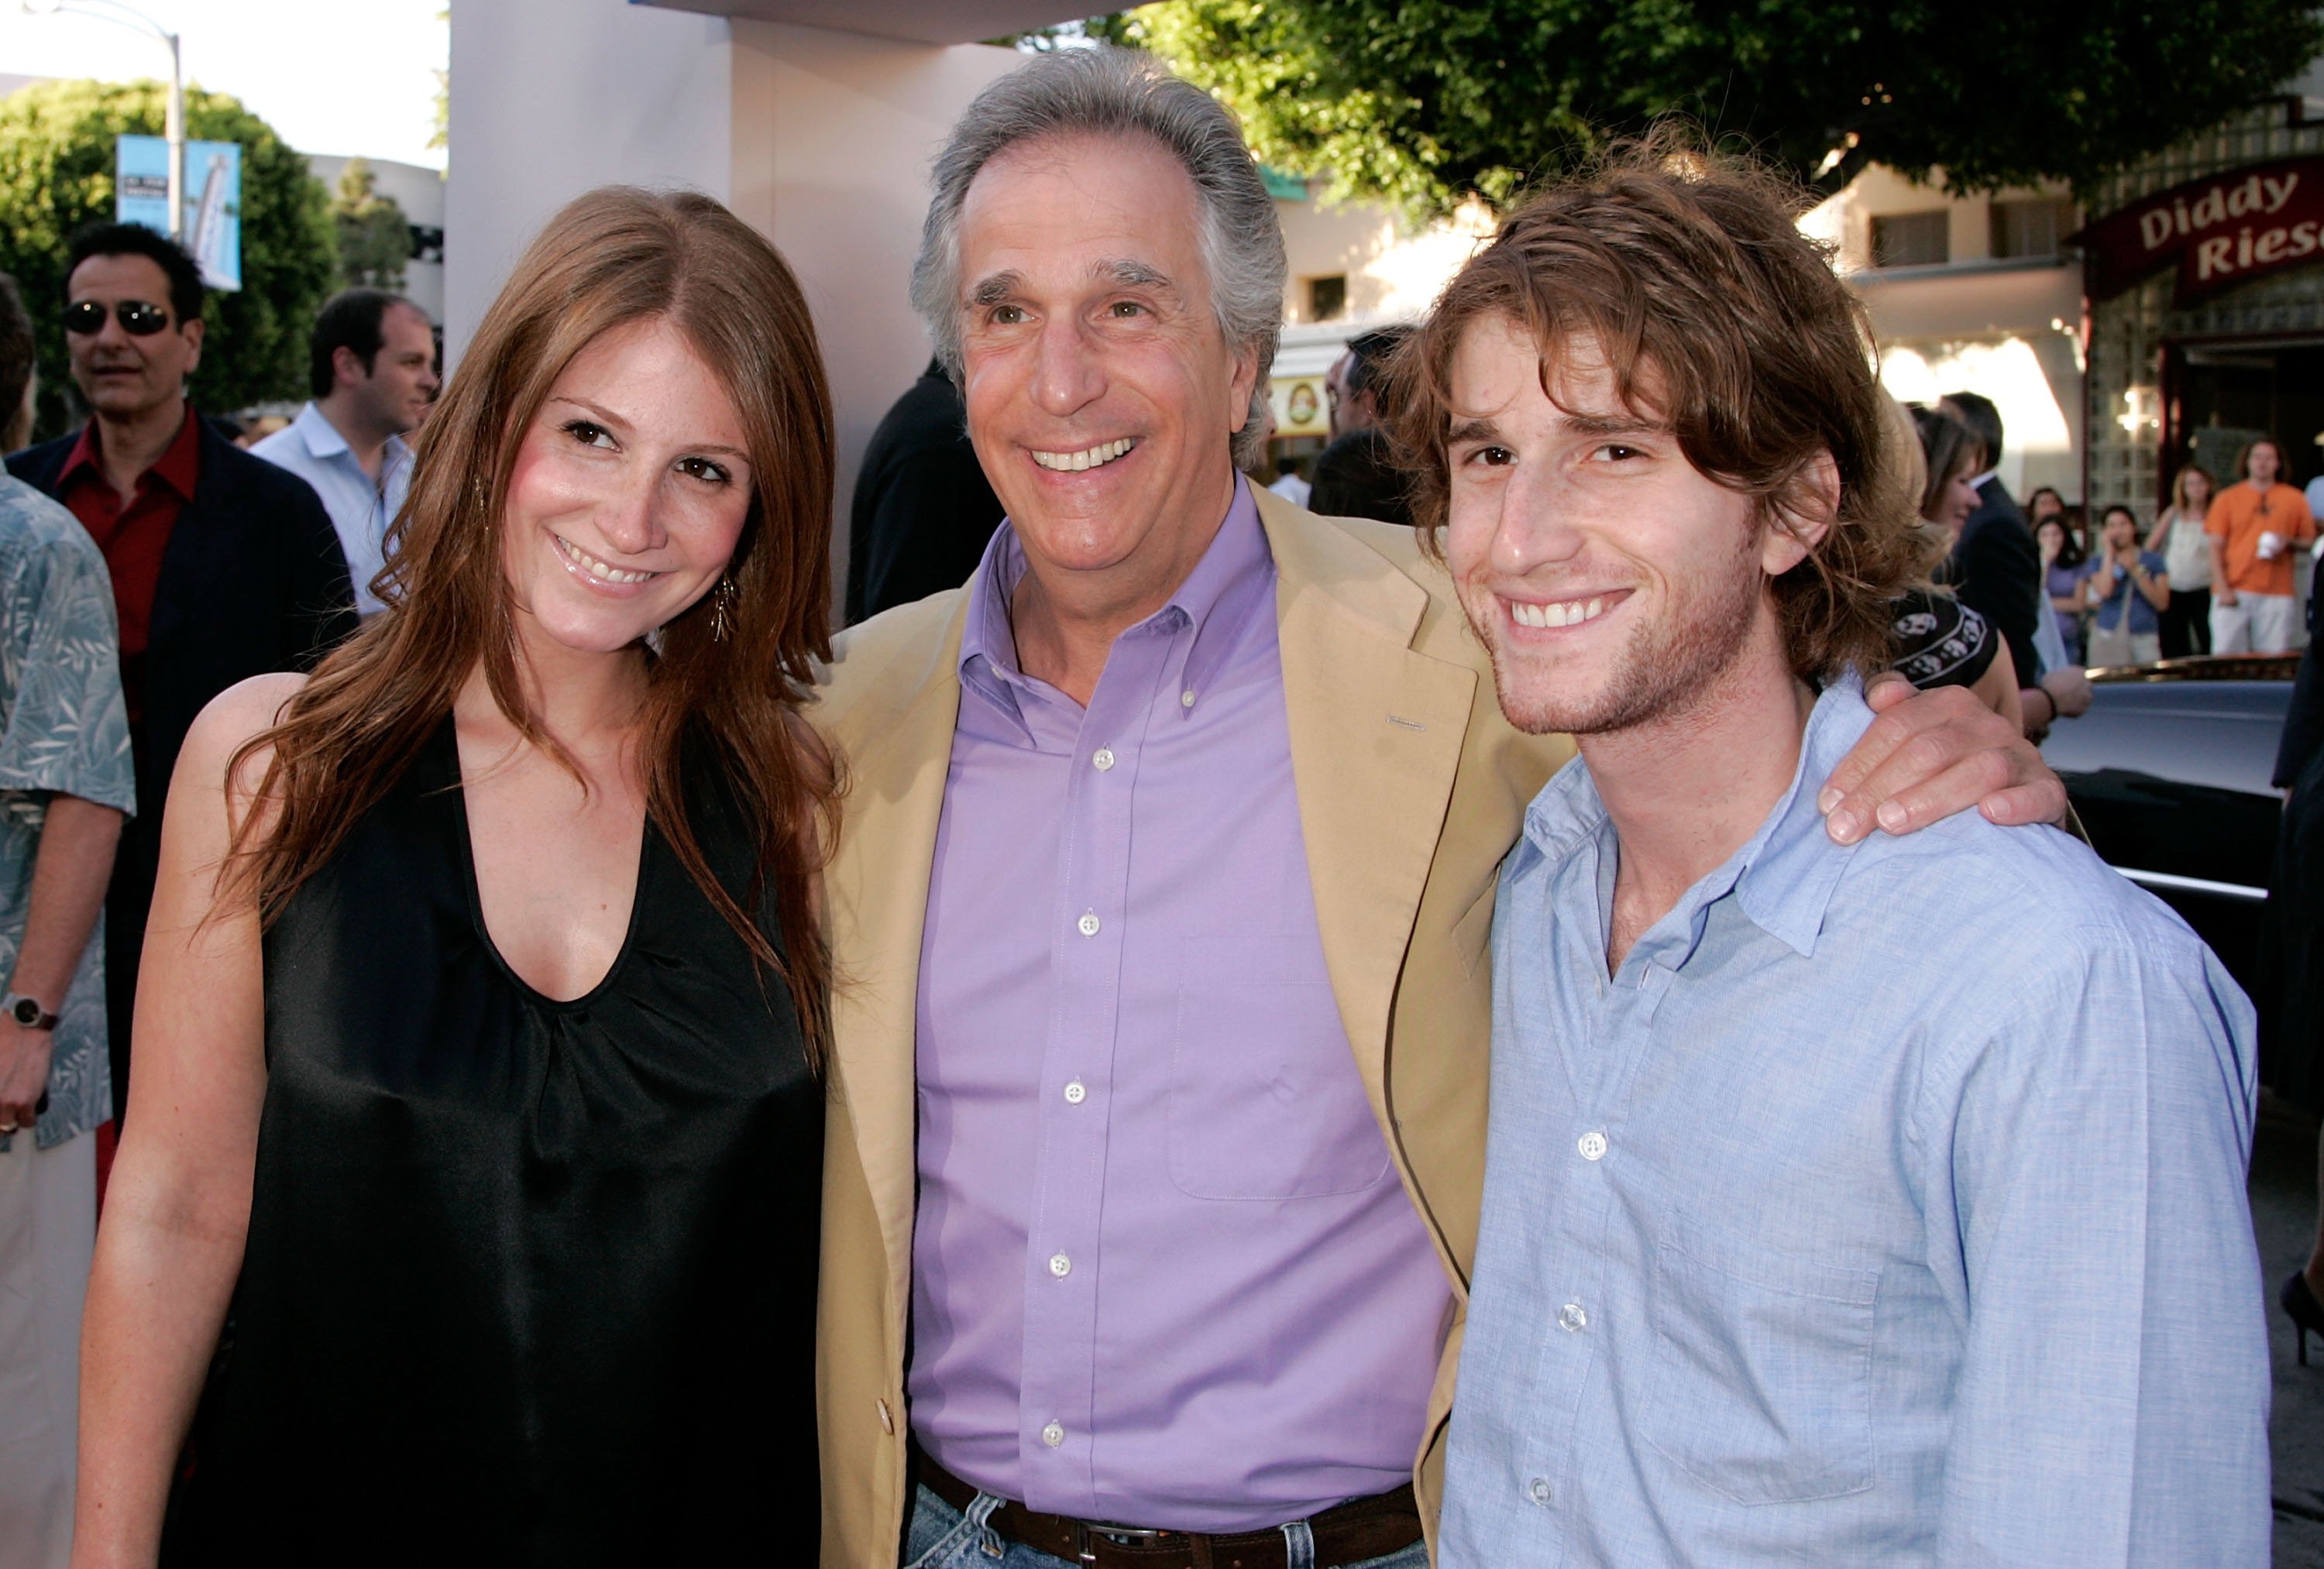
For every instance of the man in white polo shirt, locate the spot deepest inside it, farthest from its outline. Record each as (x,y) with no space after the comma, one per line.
(372,367)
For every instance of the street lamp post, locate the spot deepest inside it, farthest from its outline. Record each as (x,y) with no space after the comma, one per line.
(174,125)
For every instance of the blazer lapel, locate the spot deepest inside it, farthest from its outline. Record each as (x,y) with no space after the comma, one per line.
(1376,738)
(899,752)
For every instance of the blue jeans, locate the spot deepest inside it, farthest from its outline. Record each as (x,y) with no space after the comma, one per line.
(941,1536)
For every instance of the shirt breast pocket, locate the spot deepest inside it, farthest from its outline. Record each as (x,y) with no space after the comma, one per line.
(1265,1099)
(1760,1386)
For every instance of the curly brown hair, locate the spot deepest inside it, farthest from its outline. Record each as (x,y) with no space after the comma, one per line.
(1721,320)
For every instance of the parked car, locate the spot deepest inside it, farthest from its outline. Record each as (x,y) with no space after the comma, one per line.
(2169,773)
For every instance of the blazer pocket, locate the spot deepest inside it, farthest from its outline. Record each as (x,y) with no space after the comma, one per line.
(1265,1099)
(1760,1387)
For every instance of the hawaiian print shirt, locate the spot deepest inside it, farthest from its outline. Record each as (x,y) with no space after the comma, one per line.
(63,728)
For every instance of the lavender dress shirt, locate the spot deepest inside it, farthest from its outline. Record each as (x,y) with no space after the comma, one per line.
(1164,1273)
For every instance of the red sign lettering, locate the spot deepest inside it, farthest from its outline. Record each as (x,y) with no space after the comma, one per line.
(2219,231)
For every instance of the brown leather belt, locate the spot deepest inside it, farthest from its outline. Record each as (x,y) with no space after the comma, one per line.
(1353,1532)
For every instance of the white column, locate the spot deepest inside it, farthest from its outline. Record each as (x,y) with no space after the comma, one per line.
(553,97)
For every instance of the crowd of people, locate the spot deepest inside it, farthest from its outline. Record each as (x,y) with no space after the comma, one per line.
(1204,1031)
(2214,572)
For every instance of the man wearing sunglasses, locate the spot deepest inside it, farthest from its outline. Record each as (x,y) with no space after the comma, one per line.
(224,566)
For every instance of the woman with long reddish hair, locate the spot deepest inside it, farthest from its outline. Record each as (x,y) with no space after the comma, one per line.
(469,1215)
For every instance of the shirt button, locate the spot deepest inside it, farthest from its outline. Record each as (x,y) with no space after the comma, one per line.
(1539,1490)
(1646,974)
(1102,759)
(1075,1094)
(1571,1318)
(1060,1266)
(1594,1145)
(1186,698)
(1053,1434)
(1088,925)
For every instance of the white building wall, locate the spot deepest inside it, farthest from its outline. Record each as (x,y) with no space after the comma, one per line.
(834,133)
(2009,329)
(1393,271)
(552,97)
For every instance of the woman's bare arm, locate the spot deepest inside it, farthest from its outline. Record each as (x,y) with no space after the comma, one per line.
(176,1208)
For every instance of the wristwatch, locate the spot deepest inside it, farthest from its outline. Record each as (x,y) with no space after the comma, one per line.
(26,1012)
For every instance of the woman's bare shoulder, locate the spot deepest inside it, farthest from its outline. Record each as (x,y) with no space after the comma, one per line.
(229,721)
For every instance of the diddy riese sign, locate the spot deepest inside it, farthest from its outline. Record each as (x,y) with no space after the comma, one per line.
(2219,231)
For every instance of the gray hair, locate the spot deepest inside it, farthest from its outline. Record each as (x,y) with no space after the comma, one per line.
(1105,91)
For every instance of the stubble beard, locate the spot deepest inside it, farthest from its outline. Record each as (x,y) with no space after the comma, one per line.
(1664,668)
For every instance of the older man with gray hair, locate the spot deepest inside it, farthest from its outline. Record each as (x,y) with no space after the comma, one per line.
(1162,900)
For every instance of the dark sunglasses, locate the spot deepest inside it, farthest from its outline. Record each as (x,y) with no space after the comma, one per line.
(137,319)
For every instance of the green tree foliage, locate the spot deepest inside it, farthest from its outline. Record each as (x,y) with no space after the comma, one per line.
(375,237)
(1113,27)
(56,176)
(1419,101)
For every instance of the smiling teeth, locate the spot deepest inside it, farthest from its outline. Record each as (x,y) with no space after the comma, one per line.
(1074,461)
(1566,613)
(598,569)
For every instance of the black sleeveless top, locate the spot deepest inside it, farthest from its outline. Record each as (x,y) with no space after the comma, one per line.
(527,1281)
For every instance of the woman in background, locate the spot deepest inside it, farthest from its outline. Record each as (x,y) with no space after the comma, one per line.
(2185,625)
(2064,570)
(484,982)
(1938,641)
(2127,588)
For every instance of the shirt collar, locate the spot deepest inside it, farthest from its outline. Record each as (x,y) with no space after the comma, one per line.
(322,437)
(84,455)
(1783,876)
(324,441)
(1217,599)
(179,467)
(1979,482)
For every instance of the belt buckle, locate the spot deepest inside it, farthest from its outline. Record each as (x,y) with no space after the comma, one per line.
(1119,1535)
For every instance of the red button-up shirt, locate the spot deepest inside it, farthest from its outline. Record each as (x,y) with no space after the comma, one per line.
(134,534)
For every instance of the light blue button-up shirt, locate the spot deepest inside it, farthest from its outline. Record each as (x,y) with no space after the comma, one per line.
(361,508)
(1885,1206)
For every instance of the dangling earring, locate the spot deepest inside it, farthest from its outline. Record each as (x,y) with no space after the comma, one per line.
(721,603)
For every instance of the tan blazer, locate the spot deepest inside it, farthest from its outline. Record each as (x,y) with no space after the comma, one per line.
(1411,789)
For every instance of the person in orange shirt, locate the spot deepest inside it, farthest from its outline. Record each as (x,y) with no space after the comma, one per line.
(2252,526)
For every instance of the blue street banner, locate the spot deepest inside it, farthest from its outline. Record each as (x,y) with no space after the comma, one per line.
(212,199)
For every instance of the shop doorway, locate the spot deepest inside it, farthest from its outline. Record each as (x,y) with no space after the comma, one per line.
(2224,392)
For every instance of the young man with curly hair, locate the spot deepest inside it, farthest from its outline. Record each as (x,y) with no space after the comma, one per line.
(1843,1203)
